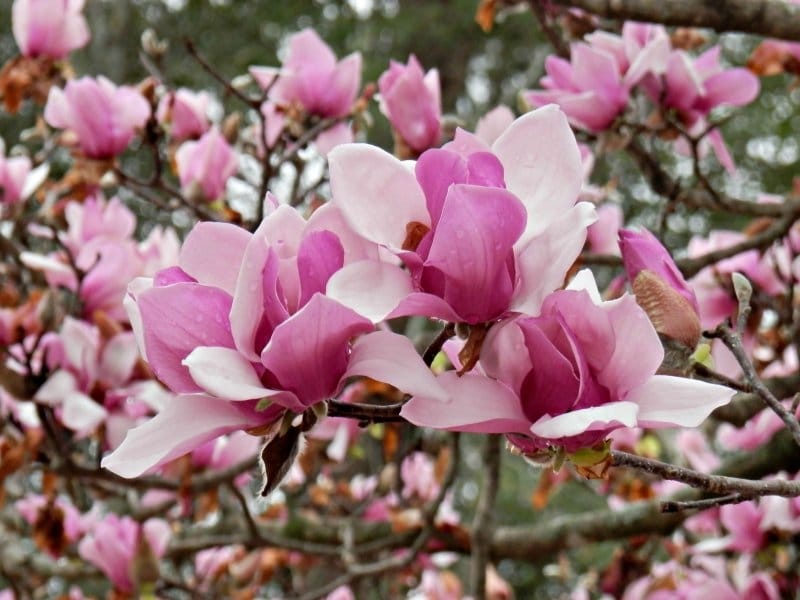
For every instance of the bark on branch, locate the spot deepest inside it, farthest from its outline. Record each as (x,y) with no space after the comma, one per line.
(771,18)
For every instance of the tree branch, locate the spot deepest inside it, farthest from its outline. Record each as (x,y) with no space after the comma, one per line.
(771,18)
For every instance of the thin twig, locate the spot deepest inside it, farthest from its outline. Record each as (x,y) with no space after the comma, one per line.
(482,523)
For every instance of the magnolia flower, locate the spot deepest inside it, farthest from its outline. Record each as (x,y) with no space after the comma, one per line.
(116,545)
(411,100)
(312,78)
(660,287)
(104,117)
(241,323)
(603,234)
(207,164)
(593,87)
(482,231)
(186,112)
(569,377)
(13,174)
(51,28)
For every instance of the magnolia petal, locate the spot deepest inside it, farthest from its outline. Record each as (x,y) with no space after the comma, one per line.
(587,419)
(666,401)
(307,353)
(213,252)
(542,165)
(637,352)
(225,373)
(504,355)
(392,358)
(476,404)
(376,193)
(187,421)
(543,263)
(371,288)
(82,414)
(178,318)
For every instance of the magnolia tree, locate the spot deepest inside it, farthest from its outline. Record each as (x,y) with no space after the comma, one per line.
(239,343)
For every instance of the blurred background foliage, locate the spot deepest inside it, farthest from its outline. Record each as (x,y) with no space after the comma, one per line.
(478,71)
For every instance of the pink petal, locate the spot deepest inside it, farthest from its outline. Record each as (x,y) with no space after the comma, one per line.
(224,373)
(587,419)
(476,404)
(471,247)
(320,255)
(392,358)
(666,401)
(597,70)
(631,364)
(504,355)
(342,87)
(371,288)
(307,354)
(213,252)
(491,125)
(651,60)
(377,195)
(186,422)
(82,414)
(542,165)
(177,319)
(543,263)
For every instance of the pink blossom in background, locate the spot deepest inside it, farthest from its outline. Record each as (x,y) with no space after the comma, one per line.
(411,100)
(104,117)
(603,234)
(49,28)
(312,78)
(491,125)
(419,477)
(482,231)
(99,236)
(569,377)
(593,87)
(74,524)
(113,545)
(242,318)
(207,164)
(13,174)
(185,112)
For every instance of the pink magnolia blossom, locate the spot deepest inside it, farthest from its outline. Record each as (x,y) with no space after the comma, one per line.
(482,231)
(13,174)
(593,87)
(99,237)
(73,523)
(411,100)
(104,117)
(186,113)
(114,544)
(419,477)
(694,87)
(207,164)
(312,78)
(242,319)
(51,28)
(569,377)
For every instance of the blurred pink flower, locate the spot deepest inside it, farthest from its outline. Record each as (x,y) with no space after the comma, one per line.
(186,113)
(312,78)
(115,543)
(51,28)
(593,87)
(103,116)
(13,174)
(207,164)
(411,100)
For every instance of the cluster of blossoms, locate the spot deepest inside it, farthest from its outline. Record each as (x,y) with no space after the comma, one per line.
(596,85)
(183,360)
